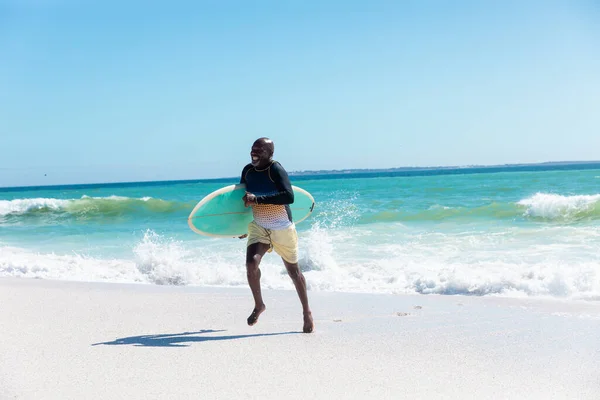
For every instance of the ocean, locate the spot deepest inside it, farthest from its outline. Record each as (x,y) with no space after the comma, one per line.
(516,232)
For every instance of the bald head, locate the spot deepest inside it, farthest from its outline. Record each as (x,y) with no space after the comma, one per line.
(262,152)
(266,143)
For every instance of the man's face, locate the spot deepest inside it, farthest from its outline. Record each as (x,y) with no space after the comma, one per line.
(260,153)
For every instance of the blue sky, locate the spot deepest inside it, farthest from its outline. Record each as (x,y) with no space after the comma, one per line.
(121,91)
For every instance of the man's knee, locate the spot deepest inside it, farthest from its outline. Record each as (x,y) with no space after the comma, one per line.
(293,270)
(253,262)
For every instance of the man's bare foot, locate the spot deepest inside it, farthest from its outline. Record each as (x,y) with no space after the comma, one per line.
(253,318)
(308,323)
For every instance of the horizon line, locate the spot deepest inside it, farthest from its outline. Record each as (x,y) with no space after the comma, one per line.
(313,173)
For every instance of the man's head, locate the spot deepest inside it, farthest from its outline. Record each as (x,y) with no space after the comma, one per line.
(262,152)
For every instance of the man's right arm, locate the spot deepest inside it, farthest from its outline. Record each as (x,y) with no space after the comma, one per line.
(244,172)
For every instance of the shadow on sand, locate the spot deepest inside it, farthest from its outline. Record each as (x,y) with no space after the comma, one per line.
(183,339)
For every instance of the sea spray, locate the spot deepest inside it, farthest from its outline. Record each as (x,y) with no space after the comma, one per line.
(470,263)
(162,261)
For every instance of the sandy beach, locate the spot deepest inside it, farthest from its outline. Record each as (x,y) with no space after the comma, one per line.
(71,340)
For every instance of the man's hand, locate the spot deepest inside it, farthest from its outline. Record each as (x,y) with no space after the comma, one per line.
(249,199)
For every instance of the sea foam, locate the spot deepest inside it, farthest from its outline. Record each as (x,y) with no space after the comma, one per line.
(88,206)
(559,207)
(511,263)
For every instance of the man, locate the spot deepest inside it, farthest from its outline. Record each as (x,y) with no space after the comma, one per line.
(269,193)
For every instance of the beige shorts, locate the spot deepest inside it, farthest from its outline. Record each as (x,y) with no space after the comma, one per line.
(284,241)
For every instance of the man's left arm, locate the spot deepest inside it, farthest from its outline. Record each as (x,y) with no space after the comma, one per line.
(285,194)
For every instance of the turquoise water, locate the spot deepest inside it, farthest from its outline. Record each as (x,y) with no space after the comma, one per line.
(533,232)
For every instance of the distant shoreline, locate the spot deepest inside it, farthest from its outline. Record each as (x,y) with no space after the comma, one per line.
(348,173)
(435,168)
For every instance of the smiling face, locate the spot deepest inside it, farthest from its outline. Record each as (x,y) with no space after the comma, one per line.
(262,152)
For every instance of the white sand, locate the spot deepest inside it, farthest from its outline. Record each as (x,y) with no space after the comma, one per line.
(193,343)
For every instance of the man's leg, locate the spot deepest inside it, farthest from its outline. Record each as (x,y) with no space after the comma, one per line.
(254,254)
(300,283)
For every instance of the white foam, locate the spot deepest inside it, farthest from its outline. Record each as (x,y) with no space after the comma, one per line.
(111,197)
(154,259)
(513,263)
(18,262)
(554,206)
(377,258)
(21,206)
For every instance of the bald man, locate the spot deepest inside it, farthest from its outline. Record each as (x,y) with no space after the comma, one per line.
(269,193)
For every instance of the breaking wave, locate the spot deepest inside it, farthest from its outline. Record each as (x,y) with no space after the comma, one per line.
(86,207)
(541,207)
(510,263)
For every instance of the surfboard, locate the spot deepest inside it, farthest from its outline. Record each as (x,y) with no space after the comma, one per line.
(222,213)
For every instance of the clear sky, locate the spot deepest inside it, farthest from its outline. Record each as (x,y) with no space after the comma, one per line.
(134,90)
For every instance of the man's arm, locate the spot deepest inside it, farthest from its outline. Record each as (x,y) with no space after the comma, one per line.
(285,194)
(244,172)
